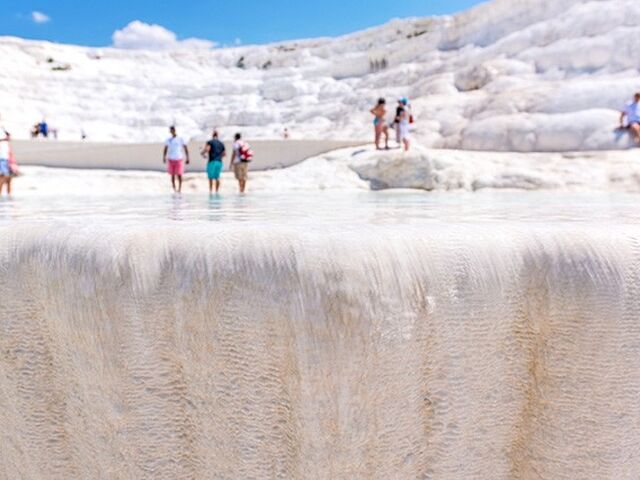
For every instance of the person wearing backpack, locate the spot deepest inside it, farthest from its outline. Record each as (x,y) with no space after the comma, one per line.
(240,159)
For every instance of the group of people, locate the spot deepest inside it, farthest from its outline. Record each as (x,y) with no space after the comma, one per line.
(176,152)
(401,123)
(8,166)
(403,119)
(176,156)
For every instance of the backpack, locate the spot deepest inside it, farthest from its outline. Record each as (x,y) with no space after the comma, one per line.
(245,153)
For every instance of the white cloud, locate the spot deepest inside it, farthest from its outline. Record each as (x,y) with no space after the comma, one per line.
(143,36)
(39,17)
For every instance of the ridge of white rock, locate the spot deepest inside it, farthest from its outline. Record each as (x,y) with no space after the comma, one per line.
(448,170)
(516,75)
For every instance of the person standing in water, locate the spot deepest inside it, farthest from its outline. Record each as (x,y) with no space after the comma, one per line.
(240,159)
(175,153)
(379,124)
(215,150)
(6,161)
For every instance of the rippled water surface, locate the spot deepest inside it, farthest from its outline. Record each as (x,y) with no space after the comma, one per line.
(329,208)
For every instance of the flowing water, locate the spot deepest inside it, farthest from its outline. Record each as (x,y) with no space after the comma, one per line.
(328,336)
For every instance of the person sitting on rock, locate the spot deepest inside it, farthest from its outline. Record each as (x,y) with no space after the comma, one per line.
(631,113)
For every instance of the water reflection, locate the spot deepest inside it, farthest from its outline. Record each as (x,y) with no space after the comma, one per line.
(343,209)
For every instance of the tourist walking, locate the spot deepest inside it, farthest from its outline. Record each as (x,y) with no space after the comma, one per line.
(175,154)
(631,113)
(240,159)
(379,124)
(8,167)
(215,151)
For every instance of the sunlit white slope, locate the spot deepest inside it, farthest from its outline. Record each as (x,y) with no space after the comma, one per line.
(526,75)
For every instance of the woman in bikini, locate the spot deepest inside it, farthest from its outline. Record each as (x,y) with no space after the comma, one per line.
(379,124)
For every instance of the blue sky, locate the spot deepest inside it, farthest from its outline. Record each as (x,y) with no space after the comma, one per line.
(92,22)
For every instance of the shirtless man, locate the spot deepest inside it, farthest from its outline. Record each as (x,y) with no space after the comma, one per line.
(379,124)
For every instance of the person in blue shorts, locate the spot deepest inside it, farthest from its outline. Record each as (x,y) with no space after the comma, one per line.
(215,151)
(8,168)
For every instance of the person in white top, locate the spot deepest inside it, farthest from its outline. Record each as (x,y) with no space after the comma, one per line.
(240,159)
(631,113)
(5,154)
(175,154)
(404,121)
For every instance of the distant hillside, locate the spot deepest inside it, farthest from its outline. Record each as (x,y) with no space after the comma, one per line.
(528,75)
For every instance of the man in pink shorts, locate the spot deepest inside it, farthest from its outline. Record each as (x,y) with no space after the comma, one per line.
(175,152)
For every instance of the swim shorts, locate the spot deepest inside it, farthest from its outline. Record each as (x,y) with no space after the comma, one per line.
(5,171)
(241,169)
(175,167)
(214,169)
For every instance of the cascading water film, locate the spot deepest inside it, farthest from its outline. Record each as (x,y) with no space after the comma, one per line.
(398,340)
